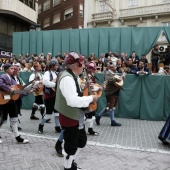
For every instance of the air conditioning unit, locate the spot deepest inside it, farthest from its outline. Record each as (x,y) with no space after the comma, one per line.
(162,48)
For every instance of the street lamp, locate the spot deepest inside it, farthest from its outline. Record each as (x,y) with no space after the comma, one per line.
(36,27)
(32,28)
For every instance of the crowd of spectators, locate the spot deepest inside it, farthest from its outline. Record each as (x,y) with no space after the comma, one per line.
(124,63)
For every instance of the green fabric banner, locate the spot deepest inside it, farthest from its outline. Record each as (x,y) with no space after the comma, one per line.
(167,33)
(33,45)
(47,42)
(57,46)
(25,43)
(87,41)
(75,41)
(17,43)
(103,41)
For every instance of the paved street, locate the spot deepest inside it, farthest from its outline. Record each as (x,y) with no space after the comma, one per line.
(133,146)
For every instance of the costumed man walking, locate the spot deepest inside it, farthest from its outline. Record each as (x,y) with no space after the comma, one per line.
(112,93)
(38,103)
(49,82)
(90,116)
(69,101)
(7,84)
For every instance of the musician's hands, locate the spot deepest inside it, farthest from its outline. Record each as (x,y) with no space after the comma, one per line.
(12,89)
(95,98)
(118,79)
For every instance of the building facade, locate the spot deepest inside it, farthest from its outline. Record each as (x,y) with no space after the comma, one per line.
(61,14)
(128,13)
(15,16)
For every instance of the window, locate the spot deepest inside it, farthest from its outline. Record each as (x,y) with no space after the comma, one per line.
(132,25)
(56,2)
(46,22)
(165,1)
(39,8)
(46,5)
(56,18)
(81,10)
(68,13)
(133,3)
(166,24)
(103,6)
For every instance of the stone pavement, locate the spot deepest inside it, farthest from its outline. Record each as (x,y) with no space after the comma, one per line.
(133,146)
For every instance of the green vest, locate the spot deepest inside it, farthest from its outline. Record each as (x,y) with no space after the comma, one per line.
(61,104)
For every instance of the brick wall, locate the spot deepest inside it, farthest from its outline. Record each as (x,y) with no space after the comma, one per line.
(73,22)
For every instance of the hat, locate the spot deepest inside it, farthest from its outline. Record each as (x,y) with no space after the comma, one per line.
(112,64)
(17,64)
(73,57)
(49,54)
(91,65)
(6,66)
(53,62)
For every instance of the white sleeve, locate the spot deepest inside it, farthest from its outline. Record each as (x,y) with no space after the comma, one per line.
(32,77)
(46,80)
(69,91)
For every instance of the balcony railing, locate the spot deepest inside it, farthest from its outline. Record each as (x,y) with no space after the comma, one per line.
(102,16)
(145,11)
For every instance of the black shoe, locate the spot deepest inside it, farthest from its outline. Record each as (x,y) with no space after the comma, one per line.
(40,129)
(98,120)
(163,140)
(47,121)
(114,123)
(21,140)
(58,148)
(34,118)
(92,132)
(57,129)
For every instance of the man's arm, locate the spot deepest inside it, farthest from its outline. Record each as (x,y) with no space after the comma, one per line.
(3,85)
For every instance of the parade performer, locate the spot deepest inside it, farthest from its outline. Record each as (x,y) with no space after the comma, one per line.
(90,116)
(38,103)
(69,101)
(112,92)
(49,82)
(7,101)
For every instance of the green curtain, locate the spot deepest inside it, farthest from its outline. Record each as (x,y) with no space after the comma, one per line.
(39,42)
(84,39)
(57,42)
(87,41)
(126,40)
(27,101)
(166,97)
(167,33)
(65,41)
(47,42)
(152,97)
(93,41)
(25,48)
(17,43)
(129,98)
(114,39)
(152,34)
(103,41)
(33,45)
(75,40)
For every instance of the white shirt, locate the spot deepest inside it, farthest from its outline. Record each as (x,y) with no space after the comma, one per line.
(69,91)
(46,79)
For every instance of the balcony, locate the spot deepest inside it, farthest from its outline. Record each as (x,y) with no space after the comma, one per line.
(156,10)
(103,17)
(15,7)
